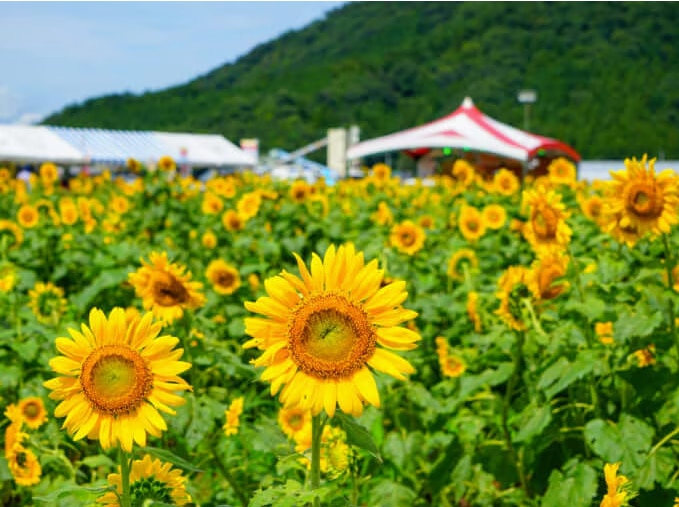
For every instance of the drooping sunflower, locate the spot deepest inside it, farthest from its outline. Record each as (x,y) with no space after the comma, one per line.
(232,221)
(407,237)
(28,216)
(116,378)
(150,479)
(166,163)
(232,416)
(455,263)
(166,288)
(494,216)
(562,171)
(224,277)
(324,330)
(33,412)
(471,223)
(547,228)
(513,289)
(472,310)
(451,365)
(638,198)
(547,271)
(13,231)
(24,465)
(47,302)
(505,182)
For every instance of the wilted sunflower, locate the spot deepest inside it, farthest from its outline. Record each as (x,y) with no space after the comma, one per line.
(167,163)
(13,232)
(33,412)
(638,199)
(24,465)
(547,227)
(505,182)
(115,378)
(407,237)
(455,263)
(28,216)
(232,221)
(494,216)
(47,302)
(166,288)
(150,479)
(471,223)
(322,332)
(224,277)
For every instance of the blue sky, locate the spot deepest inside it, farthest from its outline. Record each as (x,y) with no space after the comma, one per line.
(57,53)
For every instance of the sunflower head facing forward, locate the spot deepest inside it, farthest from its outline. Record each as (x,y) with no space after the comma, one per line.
(115,377)
(322,332)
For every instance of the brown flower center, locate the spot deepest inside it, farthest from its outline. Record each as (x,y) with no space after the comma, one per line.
(545,222)
(643,200)
(330,336)
(116,379)
(168,291)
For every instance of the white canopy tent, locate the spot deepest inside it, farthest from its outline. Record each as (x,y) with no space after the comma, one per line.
(31,144)
(203,150)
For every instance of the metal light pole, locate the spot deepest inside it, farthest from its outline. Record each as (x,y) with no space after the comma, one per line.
(527,97)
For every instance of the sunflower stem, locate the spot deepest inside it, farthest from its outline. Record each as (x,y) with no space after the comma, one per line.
(669,264)
(242,497)
(125,497)
(316,431)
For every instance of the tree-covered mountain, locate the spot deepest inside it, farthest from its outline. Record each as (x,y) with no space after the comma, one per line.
(606,73)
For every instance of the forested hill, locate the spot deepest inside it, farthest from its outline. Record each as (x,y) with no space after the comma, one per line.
(606,73)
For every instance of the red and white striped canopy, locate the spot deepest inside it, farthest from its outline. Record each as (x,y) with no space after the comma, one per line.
(469,129)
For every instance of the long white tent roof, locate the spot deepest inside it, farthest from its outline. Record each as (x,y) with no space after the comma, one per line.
(67,145)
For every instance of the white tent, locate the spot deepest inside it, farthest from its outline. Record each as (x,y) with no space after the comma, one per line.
(31,144)
(203,150)
(466,128)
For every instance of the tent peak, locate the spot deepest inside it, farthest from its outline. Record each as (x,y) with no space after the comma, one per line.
(467,103)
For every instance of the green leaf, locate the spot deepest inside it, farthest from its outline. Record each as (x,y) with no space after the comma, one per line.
(169,457)
(658,467)
(637,324)
(628,441)
(563,373)
(576,488)
(391,494)
(106,279)
(357,435)
(533,421)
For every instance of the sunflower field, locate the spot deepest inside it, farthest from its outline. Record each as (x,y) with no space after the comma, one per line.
(250,342)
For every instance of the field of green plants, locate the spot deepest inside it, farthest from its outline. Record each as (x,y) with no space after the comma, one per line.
(251,342)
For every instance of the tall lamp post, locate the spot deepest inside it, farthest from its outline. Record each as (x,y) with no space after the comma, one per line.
(527,97)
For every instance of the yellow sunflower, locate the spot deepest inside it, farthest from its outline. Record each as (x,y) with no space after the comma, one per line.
(296,424)
(166,163)
(299,191)
(381,172)
(209,240)
(472,310)
(427,222)
(24,466)
(546,271)
(47,302)
(494,216)
(639,199)
(212,204)
(604,331)
(28,216)
(456,261)
(471,223)
(562,171)
(224,277)
(120,204)
(547,227)
(12,231)
(513,288)
(232,221)
(618,487)
(150,479)
(68,211)
(33,412)
(383,215)
(232,416)
(248,205)
(592,208)
(49,173)
(321,332)
(115,378)
(505,182)
(133,165)
(166,288)
(407,237)
(450,364)
(464,172)
(8,277)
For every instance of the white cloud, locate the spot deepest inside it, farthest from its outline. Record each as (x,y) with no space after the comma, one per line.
(29,119)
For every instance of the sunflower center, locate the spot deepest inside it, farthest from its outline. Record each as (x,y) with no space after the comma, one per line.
(225,278)
(472,225)
(116,379)
(407,238)
(21,459)
(643,200)
(150,488)
(168,291)
(296,422)
(330,336)
(545,222)
(31,410)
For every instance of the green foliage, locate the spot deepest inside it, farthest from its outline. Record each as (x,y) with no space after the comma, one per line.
(605,73)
